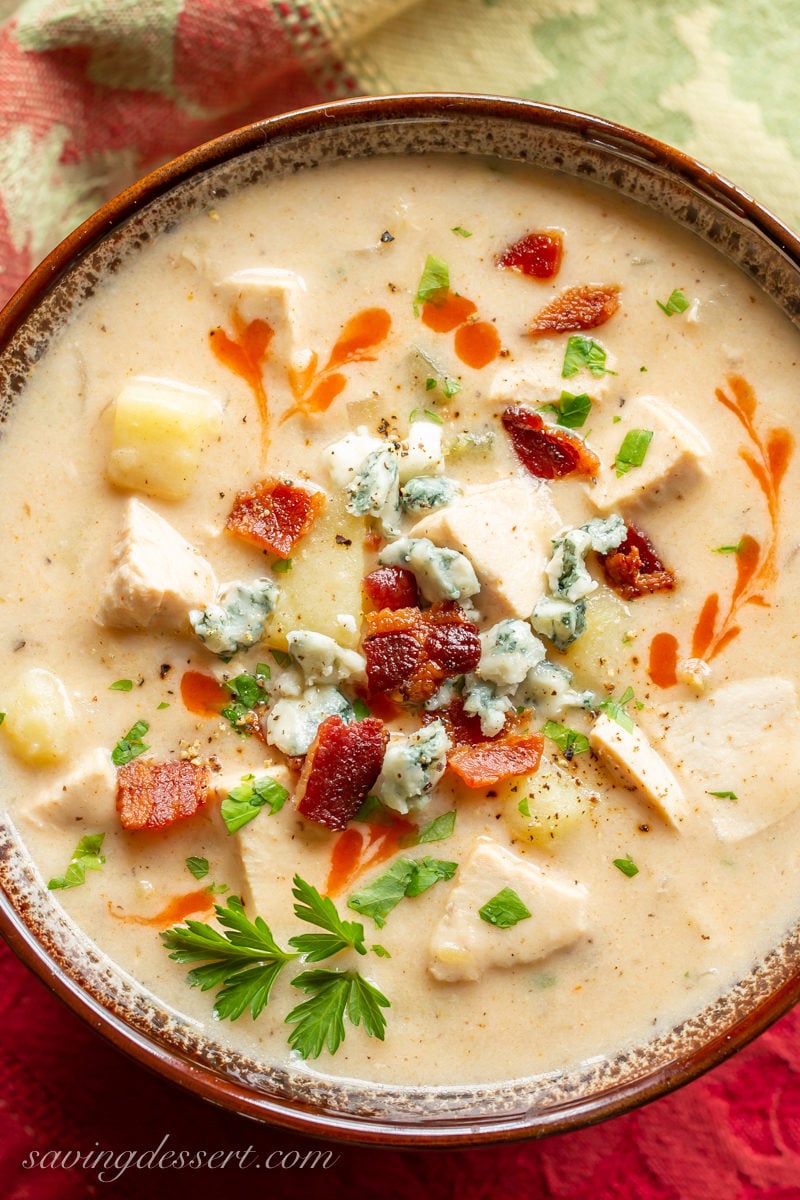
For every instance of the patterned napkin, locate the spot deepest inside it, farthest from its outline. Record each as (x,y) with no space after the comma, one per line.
(95,92)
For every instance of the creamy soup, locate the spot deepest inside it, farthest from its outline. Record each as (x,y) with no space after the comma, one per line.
(417,534)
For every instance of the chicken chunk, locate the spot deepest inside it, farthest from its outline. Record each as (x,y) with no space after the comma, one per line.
(274,295)
(505,530)
(740,746)
(464,945)
(156,577)
(83,800)
(673,462)
(634,759)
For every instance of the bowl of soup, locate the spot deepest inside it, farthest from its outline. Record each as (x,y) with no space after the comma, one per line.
(399,667)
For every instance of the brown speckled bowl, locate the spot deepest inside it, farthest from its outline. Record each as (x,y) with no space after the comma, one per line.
(33,923)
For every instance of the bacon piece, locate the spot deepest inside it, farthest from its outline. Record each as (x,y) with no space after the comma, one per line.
(153,795)
(340,768)
(410,652)
(391,587)
(463,729)
(544,450)
(274,515)
(634,569)
(582,307)
(490,762)
(537,255)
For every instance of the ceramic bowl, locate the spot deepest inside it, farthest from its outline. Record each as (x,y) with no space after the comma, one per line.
(573,144)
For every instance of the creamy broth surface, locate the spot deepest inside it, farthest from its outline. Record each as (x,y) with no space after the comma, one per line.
(715,886)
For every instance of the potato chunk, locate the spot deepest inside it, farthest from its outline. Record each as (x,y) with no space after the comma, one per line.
(39,717)
(322,591)
(160,430)
(554,802)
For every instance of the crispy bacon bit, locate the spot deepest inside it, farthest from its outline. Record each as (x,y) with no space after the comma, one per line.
(537,255)
(463,729)
(634,569)
(489,762)
(544,450)
(274,515)
(391,587)
(410,652)
(153,795)
(340,768)
(583,307)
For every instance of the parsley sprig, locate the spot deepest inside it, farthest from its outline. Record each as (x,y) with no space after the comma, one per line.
(248,691)
(85,857)
(244,961)
(130,745)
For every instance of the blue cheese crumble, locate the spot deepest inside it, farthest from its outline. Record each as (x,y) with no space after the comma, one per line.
(238,619)
(412,766)
(292,724)
(441,574)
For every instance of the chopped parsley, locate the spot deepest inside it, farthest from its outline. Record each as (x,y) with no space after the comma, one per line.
(405,877)
(724,795)
(2,717)
(438,829)
(616,708)
(677,303)
(243,962)
(504,910)
(524,806)
(197,866)
(737,549)
(461,231)
(584,352)
(282,565)
(130,745)
(570,410)
(85,857)
(245,802)
(248,691)
(418,414)
(438,377)
(281,658)
(360,709)
(627,866)
(569,741)
(162,705)
(121,685)
(434,282)
(633,450)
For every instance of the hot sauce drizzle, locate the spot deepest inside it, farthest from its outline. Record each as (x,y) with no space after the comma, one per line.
(361,846)
(202,694)
(663,660)
(177,910)
(245,354)
(314,391)
(477,343)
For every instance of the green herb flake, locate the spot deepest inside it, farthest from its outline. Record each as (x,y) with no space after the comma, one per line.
(248,692)
(571,410)
(281,658)
(434,282)
(121,685)
(197,866)
(461,231)
(677,303)
(584,352)
(130,745)
(373,811)
(427,414)
(627,866)
(737,549)
(633,450)
(319,1020)
(162,706)
(430,384)
(85,857)
(2,717)
(246,801)
(360,709)
(504,910)
(569,741)
(282,565)
(524,806)
(406,877)
(724,795)
(217,889)
(438,829)
(616,709)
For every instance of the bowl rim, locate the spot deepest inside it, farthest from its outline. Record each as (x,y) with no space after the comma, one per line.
(170,1063)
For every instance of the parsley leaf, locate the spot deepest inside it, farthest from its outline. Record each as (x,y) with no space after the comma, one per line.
(130,745)
(737,549)
(570,410)
(677,303)
(243,962)
(504,910)
(569,741)
(524,806)
(724,795)
(438,829)
(427,413)
(321,911)
(282,565)
(627,866)
(584,352)
(248,691)
(616,709)
(319,1021)
(438,377)
(405,877)
(633,450)
(281,658)
(2,717)
(121,685)
(197,866)
(246,801)
(85,857)
(434,282)
(461,231)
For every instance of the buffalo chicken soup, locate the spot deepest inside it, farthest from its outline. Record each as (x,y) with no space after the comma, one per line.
(397,631)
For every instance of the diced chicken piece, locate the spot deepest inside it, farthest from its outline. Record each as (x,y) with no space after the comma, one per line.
(673,463)
(739,750)
(274,295)
(464,945)
(83,800)
(631,754)
(539,381)
(156,577)
(505,530)
(161,428)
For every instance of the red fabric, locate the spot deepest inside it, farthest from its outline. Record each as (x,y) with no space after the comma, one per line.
(732,1135)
